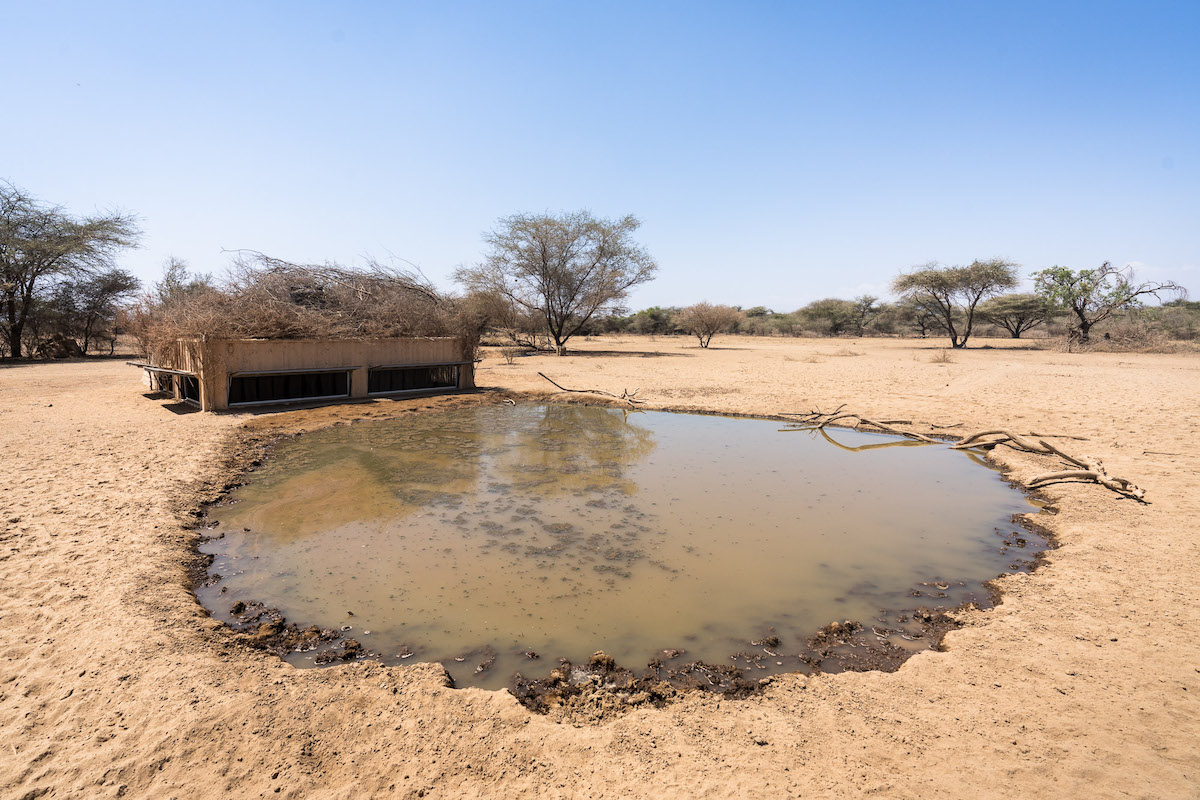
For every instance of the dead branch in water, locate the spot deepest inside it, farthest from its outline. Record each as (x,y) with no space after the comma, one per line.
(625,396)
(817,420)
(1088,467)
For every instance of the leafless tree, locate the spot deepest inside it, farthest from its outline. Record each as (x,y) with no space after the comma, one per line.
(565,269)
(705,320)
(39,242)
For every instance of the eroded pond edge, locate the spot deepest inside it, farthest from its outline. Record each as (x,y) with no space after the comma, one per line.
(598,687)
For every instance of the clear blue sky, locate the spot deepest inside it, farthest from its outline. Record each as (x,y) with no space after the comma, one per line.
(776,152)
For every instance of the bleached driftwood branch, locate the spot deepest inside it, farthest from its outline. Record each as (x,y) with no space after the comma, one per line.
(1087,468)
(816,420)
(625,396)
(1090,468)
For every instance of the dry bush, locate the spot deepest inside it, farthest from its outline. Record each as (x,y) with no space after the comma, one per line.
(705,320)
(265,298)
(846,352)
(510,353)
(1126,335)
(941,357)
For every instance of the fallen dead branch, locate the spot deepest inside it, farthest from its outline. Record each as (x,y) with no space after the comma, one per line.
(1061,436)
(1090,467)
(1002,436)
(625,396)
(1086,468)
(817,420)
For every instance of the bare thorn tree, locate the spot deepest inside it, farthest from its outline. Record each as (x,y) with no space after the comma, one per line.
(564,269)
(705,320)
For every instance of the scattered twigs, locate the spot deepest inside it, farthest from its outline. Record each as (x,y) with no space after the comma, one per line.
(625,396)
(815,413)
(817,420)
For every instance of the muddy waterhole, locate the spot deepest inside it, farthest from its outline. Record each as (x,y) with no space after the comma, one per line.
(497,539)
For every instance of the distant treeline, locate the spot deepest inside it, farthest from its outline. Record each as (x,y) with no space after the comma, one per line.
(1011,316)
(951,301)
(545,279)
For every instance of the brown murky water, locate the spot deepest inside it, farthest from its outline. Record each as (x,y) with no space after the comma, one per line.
(475,536)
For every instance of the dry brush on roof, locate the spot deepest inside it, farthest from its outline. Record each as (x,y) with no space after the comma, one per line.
(266,298)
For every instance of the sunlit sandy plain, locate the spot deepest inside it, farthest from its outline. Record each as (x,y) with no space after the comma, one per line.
(1084,682)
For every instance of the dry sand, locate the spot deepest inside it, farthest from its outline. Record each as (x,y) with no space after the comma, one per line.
(1084,682)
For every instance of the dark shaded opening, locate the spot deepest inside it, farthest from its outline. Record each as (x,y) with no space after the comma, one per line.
(288,386)
(162,382)
(189,388)
(409,379)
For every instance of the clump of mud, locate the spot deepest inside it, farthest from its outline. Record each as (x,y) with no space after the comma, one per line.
(266,628)
(600,688)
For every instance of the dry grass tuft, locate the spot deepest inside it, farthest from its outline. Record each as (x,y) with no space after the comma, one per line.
(941,357)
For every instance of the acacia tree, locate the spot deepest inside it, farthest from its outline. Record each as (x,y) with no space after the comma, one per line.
(833,315)
(566,269)
(96,300)
(1016,313)
(953,293)
(704,320)
(914,316)
(653,320)
(864,310)
(75,314)
(1094,295)
(39,243)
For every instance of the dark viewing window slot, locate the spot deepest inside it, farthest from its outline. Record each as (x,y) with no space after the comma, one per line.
(284,387)
(189,388)
(163,382)
(411,379)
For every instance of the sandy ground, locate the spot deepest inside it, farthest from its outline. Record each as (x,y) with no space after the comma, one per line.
(1084,682)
